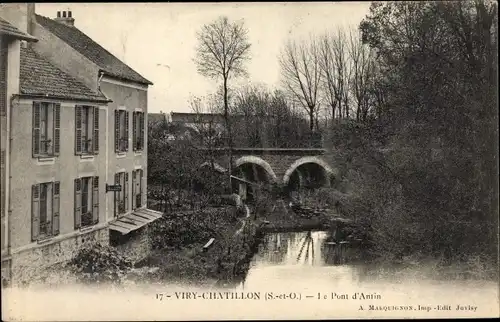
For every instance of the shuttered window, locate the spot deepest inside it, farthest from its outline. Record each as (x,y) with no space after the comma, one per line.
(121,131)
(95,200)
(121,179)
(137,186)
(86,201)
(139,131)
(86,130)
(46,129)
(45,207)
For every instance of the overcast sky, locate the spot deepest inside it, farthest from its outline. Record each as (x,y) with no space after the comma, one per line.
(158,39)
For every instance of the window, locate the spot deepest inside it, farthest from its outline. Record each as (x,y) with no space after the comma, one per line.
(44,210)
(137,177)
(138,128)
(86,201)
(86,130)
(121,200)
(121,130)
(46,129)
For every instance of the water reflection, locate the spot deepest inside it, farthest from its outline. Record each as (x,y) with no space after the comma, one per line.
(313,248)
(320,261)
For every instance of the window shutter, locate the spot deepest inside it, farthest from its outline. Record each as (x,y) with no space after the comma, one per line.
(126,130)
(117,131)
(57,128)
(134,129)
(78,203)
(125,191)
(35,211)
(95,201)
(55,208)
(144,195)
(115,200)
(78,130)
(142,131)
(96,130)
(36,129)
(137,186)
(133,189)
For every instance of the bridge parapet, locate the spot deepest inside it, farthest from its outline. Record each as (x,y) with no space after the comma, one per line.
(267,151)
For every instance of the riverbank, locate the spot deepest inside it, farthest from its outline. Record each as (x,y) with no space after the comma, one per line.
(236,239)
(179,239)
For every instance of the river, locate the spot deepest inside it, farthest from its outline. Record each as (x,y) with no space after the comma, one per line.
(293,275)
(312,266)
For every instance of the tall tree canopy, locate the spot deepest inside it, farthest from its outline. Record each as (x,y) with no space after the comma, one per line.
(222,50)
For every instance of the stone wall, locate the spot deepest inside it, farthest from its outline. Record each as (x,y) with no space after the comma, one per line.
(135,245)
(28,264)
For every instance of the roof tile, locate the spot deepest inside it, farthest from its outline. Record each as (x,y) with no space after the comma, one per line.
(92,50)
(40,78)
(7,29)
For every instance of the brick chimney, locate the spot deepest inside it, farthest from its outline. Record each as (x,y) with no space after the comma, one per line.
(65,17)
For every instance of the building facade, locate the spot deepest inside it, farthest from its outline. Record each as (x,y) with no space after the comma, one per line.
(78,126)
(10,50)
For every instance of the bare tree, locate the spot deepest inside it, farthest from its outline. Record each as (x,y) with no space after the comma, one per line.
(207,121)
(335,68)
(361,57)
(301,74)
(207,125)
(221,53)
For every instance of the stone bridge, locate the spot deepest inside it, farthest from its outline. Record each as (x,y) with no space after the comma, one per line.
(289,168)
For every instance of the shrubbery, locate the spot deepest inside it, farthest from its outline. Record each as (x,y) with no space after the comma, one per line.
(182,229)
(328,198)
(99,264)
(263,203)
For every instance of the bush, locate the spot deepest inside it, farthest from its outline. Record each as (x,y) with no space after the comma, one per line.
(323,198)
(263,202)
(97,264)
(189,228)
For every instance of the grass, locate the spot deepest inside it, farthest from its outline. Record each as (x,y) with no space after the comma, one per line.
(184,260)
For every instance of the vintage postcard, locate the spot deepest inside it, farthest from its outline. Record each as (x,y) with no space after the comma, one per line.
(236,161)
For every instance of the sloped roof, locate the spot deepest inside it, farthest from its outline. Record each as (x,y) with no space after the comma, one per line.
(82,43)
(7,29)
(38,77)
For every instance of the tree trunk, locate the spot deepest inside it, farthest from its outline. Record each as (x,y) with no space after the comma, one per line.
(229,133)
(311,118)
(339,105)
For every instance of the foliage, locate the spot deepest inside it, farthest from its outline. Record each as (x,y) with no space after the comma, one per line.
(326,198)
(182,230)
(263,203)
(422,170)
(182,180)
(99,264)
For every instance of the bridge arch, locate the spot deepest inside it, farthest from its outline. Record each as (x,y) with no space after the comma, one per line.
(258,161)
(329,171)
(217,166)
